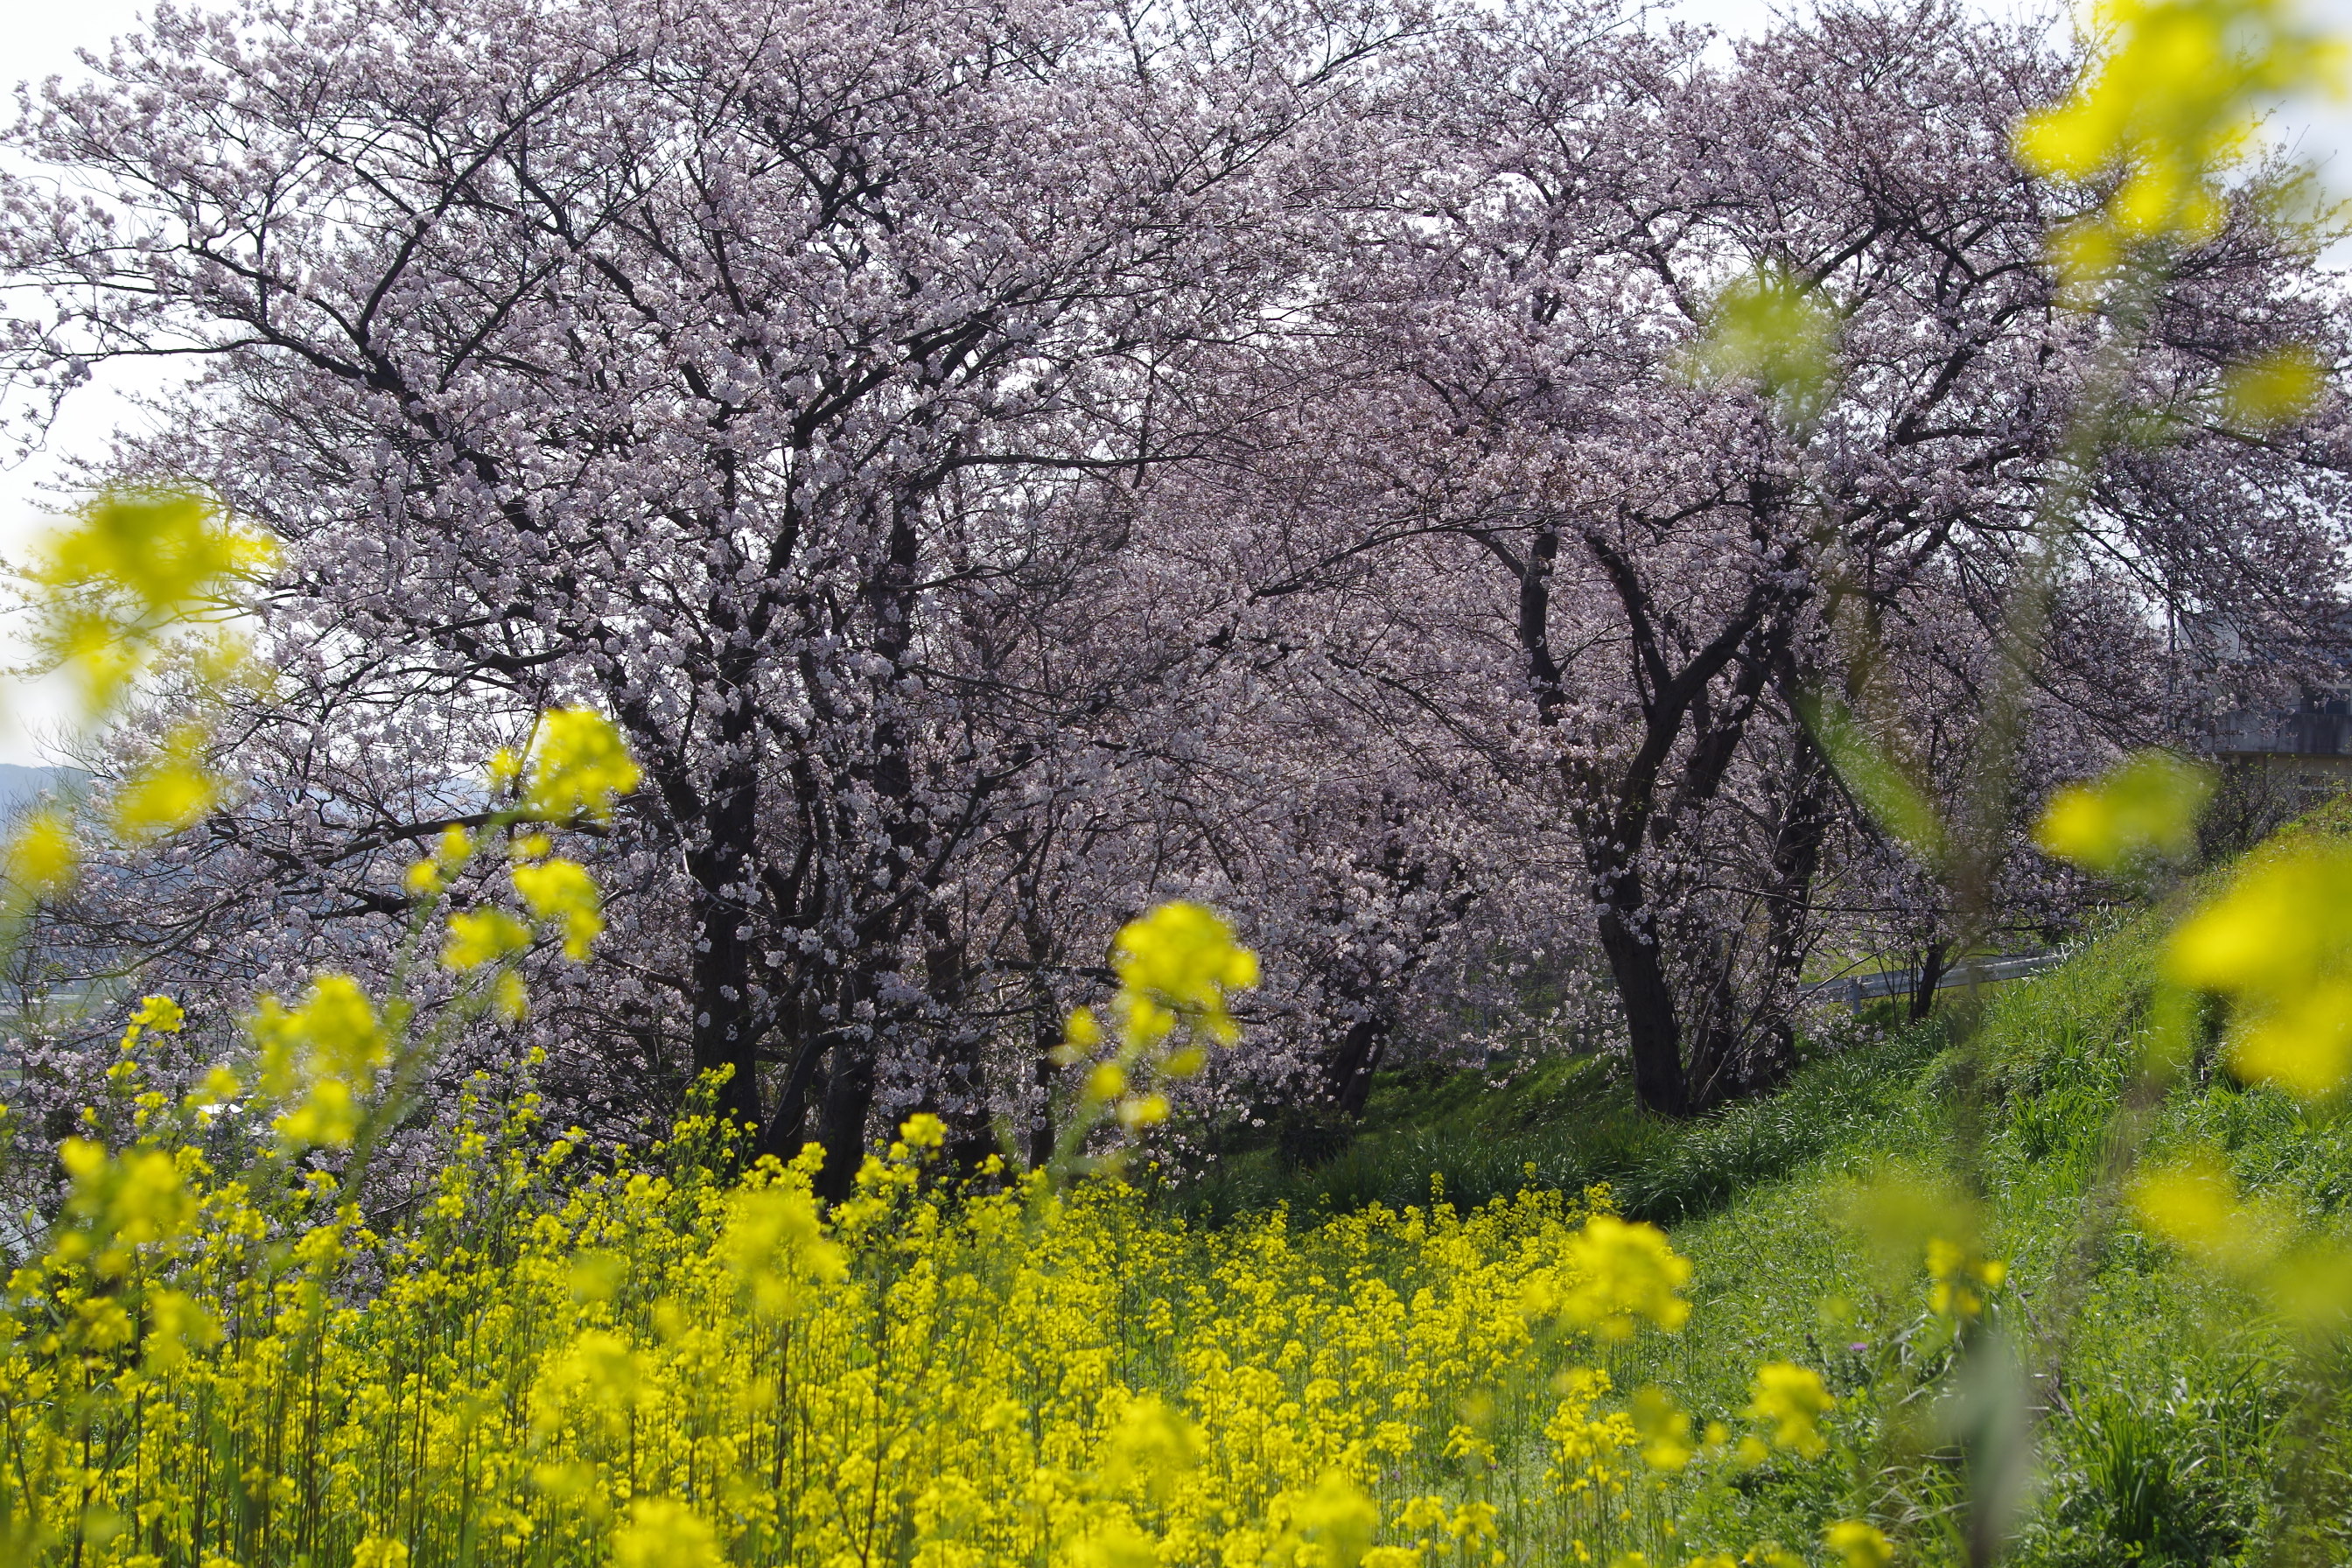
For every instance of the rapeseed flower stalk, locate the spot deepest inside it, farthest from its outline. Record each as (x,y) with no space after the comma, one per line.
(578,767)
(340,1069)
(2155,131)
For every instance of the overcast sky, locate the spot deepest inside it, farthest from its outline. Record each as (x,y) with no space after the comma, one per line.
(39,39)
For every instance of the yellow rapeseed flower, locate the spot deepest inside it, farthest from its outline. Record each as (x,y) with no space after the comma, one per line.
(477,936)
(1858,1543)
(563,893)
(1148,1451)
(1664,1429)
(577,768)
(2278,941)
(2168,107)
(663,1533)
(2147,807)
(41,857)
(320,1060)
(1769,330)
(2194,1204)
(776,1248)
(1142,1110)
(220,1086)
(1336,1518)
(170,793)
(2273,387)
(1792,1401)
(628,1368)
(1960,1277)
(1619,1271)
(129,568)
(1180,960)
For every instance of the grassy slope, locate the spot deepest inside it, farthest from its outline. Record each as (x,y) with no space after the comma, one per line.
(1568,1123)
(2171,1423)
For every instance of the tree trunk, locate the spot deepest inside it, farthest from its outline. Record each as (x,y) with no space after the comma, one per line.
(786,1128)
(961,1097)
(1653,1031)
(849,1102)
(889,875)
(1934,960)
(1718,1035)
(1797,845)
(1045,1014)
(1348,1072)
(727,1029)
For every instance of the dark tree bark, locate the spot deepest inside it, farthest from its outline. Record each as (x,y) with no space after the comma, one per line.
(1617,810)
(1926,976)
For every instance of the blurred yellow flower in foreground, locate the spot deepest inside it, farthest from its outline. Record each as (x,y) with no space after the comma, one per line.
(2278,943)
(579,767)
(2147,807)
(1180,959)
(1858,1545)
(132,568)
(1622,1271)
(2170,104)
(1792,1401)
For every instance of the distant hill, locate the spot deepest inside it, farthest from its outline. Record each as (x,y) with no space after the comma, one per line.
(20,786)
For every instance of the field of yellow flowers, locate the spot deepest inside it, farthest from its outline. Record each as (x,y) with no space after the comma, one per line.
(661,1368)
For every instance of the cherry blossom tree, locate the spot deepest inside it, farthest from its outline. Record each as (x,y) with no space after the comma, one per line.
(1688,538)
(1003,466)
(772,382)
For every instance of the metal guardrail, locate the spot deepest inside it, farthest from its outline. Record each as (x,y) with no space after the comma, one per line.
(1856,989)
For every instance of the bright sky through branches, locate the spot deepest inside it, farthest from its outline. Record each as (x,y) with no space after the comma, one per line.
(43,40)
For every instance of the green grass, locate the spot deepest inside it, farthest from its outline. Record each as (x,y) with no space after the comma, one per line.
(1567,1122)
(2177,1421)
